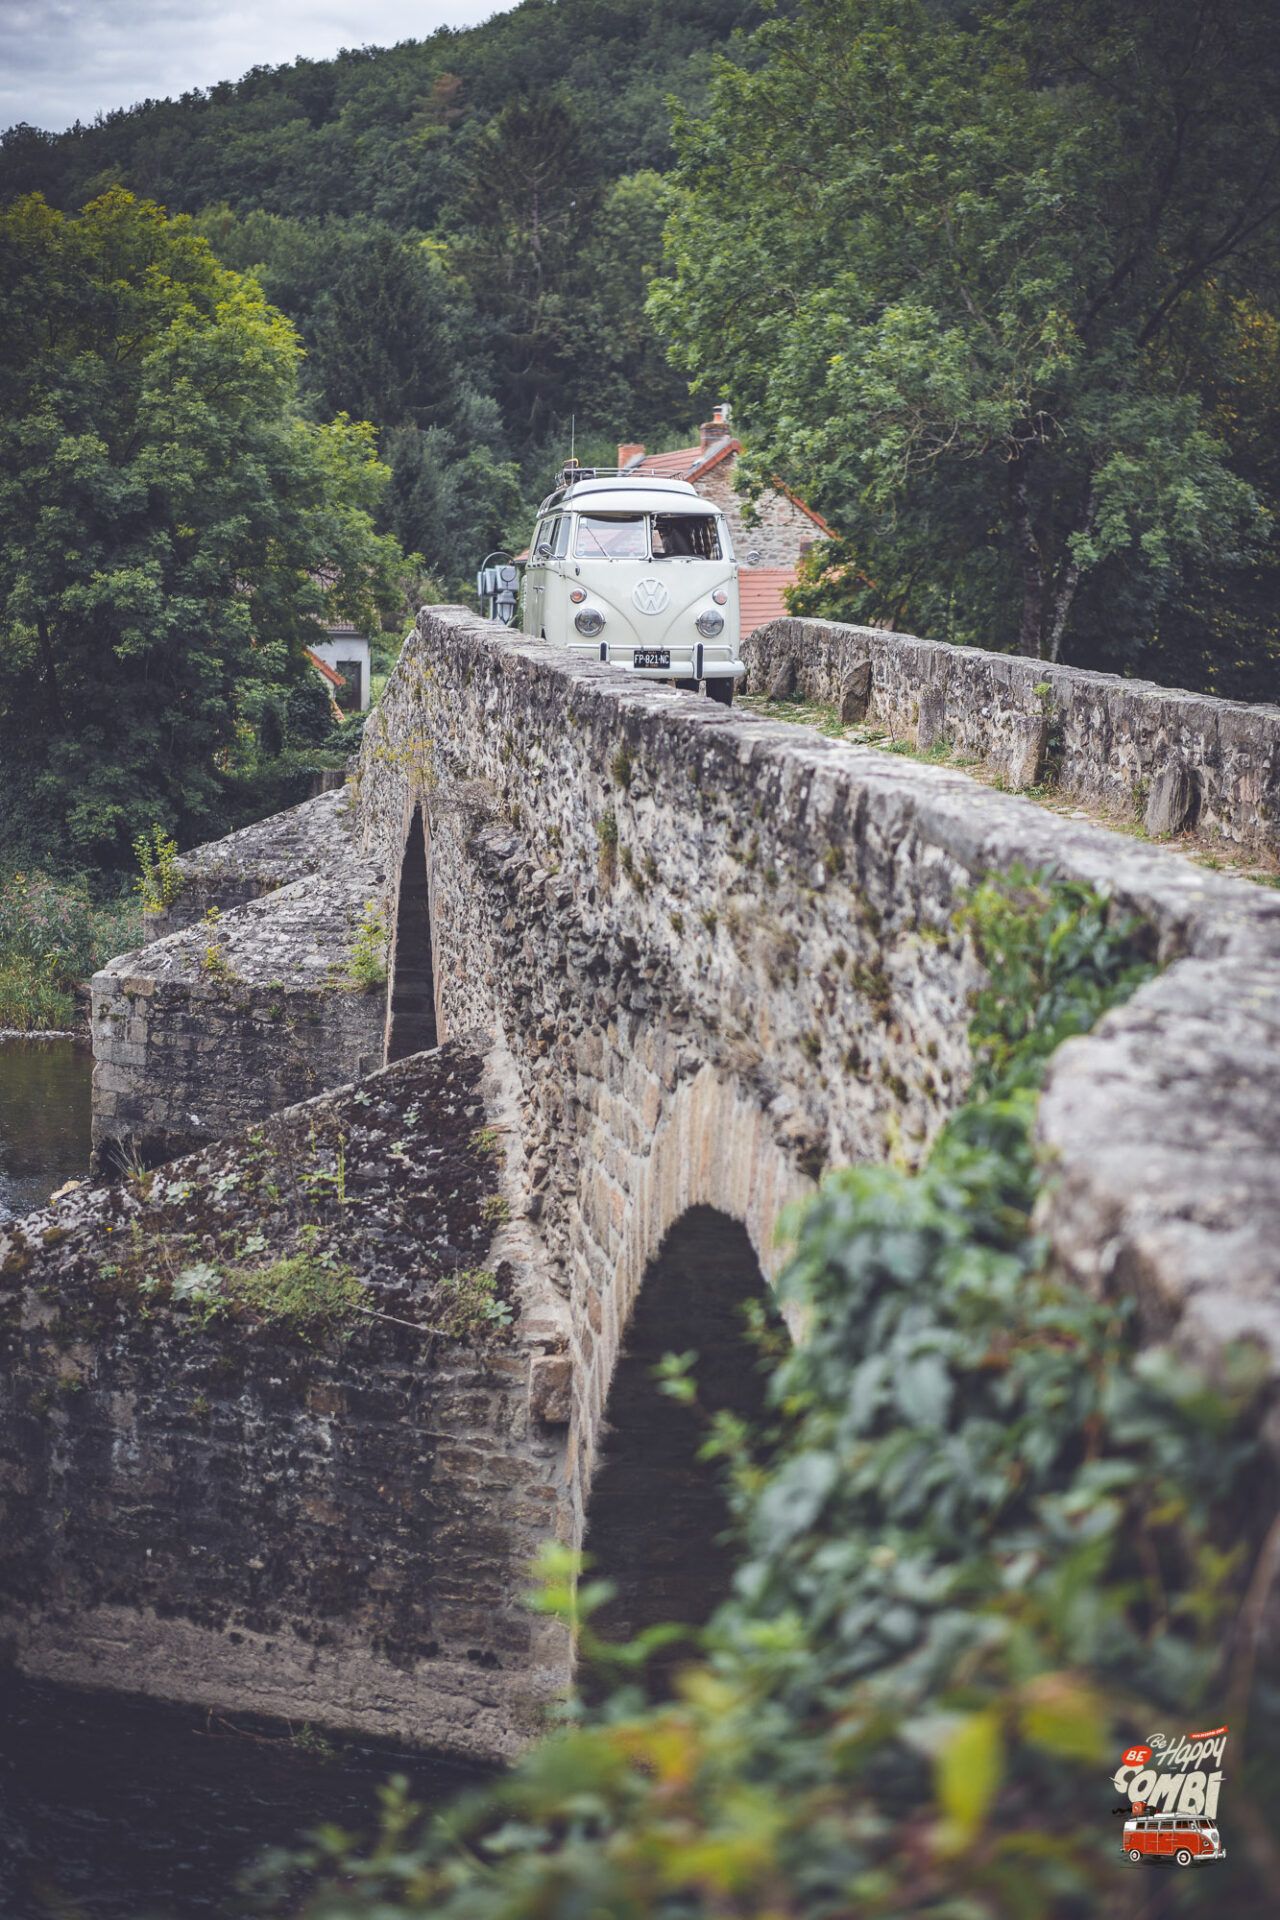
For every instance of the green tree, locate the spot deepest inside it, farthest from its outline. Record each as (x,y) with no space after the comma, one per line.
(622,381)
(948,273)
(172,531)
(389,336)
(532,191)
(392,337)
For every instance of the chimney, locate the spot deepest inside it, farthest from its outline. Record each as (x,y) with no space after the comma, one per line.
(630,453)
(715,429)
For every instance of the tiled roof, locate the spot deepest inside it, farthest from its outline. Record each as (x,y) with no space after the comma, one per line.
(667,466)
(687,463)
(760,592)
(323,668)
(691,463)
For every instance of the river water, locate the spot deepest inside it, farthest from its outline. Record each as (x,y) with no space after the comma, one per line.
(44,1120)
(119,1809)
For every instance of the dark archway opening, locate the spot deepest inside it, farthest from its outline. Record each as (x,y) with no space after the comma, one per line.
(657,1513)
(412,1026)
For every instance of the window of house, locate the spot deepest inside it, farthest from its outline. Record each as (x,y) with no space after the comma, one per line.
(350,696)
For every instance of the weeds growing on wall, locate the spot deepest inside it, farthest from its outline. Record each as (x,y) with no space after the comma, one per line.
(160,879)
(53,935)
(470,1305)
(310,1293)
(984,1545)
(367,965)
(306,1292)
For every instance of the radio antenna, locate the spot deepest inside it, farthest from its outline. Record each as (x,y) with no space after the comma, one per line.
(573,438)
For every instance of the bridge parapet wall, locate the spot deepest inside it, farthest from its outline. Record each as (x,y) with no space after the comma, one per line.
(1169,758)
(721,952)
(256,860)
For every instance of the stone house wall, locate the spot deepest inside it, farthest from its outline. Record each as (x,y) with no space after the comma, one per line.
(783,530)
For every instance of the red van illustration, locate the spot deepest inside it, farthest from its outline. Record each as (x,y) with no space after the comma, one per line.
(1179,1839)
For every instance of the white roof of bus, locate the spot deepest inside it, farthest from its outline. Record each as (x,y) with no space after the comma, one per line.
(636,500)
(630,496)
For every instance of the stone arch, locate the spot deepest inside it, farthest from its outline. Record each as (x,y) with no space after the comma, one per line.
(712,1143)
(656,1512)
(411,992)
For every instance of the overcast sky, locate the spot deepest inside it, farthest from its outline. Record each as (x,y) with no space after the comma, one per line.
(67,60)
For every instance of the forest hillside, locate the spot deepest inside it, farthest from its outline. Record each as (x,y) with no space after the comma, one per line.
(464,230)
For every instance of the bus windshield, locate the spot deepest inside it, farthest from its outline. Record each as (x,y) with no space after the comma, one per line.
(613,536)
(640,536)
(691,535)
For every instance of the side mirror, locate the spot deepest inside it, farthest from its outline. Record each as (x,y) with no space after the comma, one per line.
(543,550)
(754,556)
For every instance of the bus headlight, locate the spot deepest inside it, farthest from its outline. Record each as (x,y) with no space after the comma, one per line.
(589,621)
(712,621)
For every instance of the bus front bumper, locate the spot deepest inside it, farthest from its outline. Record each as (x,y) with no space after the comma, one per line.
(681,663)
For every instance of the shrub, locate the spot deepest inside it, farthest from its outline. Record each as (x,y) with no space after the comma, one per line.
(48,923)
(29,1000)
(51,937)
(308,712)
(347,737)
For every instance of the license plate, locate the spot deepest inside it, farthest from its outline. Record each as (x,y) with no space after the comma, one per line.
(652,657)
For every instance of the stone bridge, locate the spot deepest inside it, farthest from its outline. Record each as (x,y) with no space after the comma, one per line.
(653,966)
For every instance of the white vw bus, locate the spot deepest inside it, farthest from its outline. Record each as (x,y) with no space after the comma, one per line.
(638,573)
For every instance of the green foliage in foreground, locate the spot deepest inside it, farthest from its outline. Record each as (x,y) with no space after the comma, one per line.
(984,1547)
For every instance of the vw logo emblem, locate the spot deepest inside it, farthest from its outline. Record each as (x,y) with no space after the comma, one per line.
(650,596)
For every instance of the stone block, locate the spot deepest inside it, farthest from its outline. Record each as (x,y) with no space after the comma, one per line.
(782,681)
(1028,745)
(1171,801)
(855,693)
(931,719)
